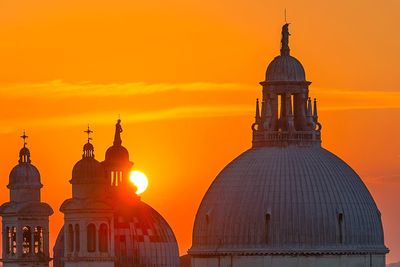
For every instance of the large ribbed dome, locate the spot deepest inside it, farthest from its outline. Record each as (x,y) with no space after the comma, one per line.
(287,200)
(285,68)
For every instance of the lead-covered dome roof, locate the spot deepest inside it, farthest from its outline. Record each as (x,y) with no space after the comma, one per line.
(25,174)
(285,68)
(288,200)
(88,170)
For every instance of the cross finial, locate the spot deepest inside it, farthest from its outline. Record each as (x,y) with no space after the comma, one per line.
(88,132)
(24,137)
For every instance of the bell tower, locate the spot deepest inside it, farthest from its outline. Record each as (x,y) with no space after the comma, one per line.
(25,229)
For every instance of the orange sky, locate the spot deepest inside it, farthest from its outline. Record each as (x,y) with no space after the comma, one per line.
(184,77)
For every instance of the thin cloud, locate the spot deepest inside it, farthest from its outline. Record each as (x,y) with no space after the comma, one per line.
(332,99)
(59,88)
(44,93)
(105,118)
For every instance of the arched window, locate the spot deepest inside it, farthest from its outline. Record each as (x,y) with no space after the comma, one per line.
(77,238)
(70,238)
(340,226)
(8,243)
(267,227)
(103,238)
(13,240)
(91,238)
(26,240)
(38,247)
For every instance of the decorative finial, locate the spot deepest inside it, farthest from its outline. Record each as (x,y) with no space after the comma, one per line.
(24,137)
(258,117)
(315,110)
(285,50)
(118,131)
(88,132)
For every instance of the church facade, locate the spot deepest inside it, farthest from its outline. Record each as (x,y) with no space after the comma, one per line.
(287,202)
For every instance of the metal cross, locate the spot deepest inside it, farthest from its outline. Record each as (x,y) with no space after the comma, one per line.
(88,132)
(24,137)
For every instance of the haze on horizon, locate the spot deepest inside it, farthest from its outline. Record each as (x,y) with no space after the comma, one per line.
(184,77)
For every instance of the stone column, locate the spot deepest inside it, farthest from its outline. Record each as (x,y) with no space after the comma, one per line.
(19,240)
(46,239)
(65,238)
(112,239)
(5,240)
(84,250)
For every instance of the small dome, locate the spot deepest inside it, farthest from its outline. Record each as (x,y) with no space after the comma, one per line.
(88,170)
(115,154)
(285,68)
(290,199)
(88,147)
(24,175)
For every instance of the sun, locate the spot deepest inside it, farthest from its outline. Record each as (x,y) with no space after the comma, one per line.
(139,179)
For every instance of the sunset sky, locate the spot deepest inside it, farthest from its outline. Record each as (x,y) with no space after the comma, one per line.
(183,75)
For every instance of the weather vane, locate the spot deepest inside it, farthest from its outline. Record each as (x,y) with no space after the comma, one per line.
(88,132)
(24,137)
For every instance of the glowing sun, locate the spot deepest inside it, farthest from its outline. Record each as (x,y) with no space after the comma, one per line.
(139,179)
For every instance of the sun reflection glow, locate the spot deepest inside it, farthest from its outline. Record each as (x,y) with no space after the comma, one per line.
(140,180)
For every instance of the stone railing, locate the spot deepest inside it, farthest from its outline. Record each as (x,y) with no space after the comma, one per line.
(279,138)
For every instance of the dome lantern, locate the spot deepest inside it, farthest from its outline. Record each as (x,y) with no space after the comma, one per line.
(285,111)
(24,153)
(88,149)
